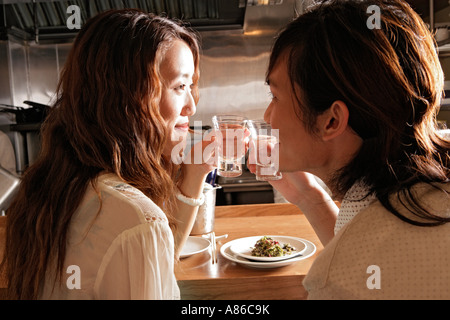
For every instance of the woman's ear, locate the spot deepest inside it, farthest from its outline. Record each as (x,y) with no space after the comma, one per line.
(334,121)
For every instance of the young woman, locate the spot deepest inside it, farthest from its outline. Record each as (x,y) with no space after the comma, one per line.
(97,212)
(355,102)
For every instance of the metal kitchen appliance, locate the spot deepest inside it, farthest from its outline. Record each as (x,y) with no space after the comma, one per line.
(9,184)
(35,113)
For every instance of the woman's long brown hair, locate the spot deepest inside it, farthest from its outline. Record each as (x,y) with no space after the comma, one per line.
(390,78)
(106,118)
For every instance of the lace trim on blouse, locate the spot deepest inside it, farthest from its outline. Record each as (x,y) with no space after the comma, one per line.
(136,196)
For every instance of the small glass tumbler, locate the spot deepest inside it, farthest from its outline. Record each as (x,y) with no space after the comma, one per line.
(230,130)
(264,150)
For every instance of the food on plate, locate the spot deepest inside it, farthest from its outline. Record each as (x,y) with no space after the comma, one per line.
(268,247)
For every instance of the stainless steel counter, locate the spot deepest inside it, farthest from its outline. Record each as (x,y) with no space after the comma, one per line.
(244,189)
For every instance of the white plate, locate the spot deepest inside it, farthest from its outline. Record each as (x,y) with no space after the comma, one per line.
(243,247)
(228,254)
(193,246)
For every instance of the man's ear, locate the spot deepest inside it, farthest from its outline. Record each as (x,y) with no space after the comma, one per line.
(333,121)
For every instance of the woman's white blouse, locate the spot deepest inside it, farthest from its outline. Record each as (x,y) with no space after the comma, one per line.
(119,248)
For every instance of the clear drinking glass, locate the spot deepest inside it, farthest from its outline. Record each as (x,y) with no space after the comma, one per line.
(231,135)
(263,150)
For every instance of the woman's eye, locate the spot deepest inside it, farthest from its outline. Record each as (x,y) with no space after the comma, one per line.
(184,87)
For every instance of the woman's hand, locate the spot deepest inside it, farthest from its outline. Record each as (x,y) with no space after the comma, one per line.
(198,162)
(201,159)
(196,165)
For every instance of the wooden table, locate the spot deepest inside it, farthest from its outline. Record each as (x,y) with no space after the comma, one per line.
(198,278)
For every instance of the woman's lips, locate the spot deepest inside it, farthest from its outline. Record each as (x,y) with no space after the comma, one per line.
(182,126)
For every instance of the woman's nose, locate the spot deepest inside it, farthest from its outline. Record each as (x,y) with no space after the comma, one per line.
(190,108)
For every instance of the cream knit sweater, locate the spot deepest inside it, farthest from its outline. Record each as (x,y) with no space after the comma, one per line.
(378,256)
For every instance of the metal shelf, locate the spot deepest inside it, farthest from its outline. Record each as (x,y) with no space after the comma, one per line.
(46,19)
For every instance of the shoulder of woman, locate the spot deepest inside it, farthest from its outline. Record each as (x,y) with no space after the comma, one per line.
(120,199)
